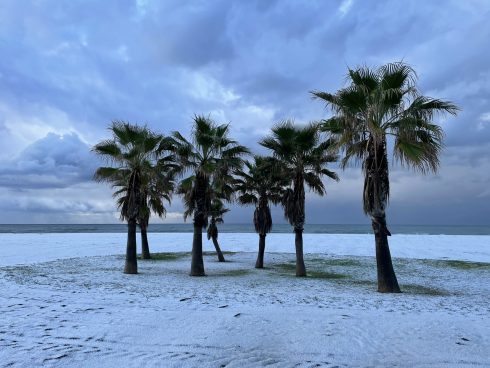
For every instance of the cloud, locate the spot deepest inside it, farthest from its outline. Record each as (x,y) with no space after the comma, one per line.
(79,203)
(199,40)
(345,6)
(55,161)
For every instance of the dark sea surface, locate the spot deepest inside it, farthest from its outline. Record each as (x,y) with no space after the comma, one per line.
(247,228)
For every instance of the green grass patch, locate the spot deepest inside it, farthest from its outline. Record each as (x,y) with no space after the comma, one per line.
(286,267)
(423,290)
(465,265)
(408,288)
(290,268)
(168,256)
(234,273)
(173,256)
(335,262)
(367,283)
(326,275)
(461,265)
(225,253)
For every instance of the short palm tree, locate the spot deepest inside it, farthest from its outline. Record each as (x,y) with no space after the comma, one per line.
(377,104)
(216,214)
(209,158)
(260,186)
(133,152)
(303,160)
(157,187)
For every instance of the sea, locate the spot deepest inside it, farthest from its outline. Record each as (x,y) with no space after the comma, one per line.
(245,228)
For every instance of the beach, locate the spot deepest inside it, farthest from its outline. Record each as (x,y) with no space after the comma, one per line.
(65,302)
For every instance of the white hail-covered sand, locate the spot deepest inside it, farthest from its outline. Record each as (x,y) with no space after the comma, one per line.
(84,312)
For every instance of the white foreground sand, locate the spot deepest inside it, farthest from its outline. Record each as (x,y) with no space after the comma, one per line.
(83,312)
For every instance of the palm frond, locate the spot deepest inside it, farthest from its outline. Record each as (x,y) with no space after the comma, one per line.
(314,183)
(392,106)
(107,174)
(108,149)
(212,157)
(139,178)
(299,158)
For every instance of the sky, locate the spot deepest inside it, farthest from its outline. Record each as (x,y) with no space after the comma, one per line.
(69,68)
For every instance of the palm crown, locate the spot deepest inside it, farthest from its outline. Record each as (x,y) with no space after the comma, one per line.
(379,103)
(303,159)
(133,152)
(384,102)
(260,185)
(210,158)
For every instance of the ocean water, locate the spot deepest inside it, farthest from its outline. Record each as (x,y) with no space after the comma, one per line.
(245,228)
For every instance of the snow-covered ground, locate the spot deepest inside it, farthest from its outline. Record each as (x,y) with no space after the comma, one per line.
(64,302)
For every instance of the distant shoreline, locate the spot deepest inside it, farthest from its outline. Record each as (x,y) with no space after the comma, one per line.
(247,228)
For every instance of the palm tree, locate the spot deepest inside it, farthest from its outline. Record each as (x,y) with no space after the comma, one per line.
(380,103)
(209,158)
(260,186)
(216,214)
(157,187)
(303,160)
(133,153)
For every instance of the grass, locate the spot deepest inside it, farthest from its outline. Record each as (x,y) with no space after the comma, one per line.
(241,272)
(290,269)
(461,265)
(168,256)
(465,265)
(173,256)
(367,283)
(225,253)
(326,275)
(406,288)
(335,262)
(423,290)
(286,267)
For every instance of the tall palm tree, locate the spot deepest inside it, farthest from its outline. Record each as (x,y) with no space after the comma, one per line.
(303,159)
(217,211)
(377,104)
(157,185)
(209,158)
(133,152)
(260,186)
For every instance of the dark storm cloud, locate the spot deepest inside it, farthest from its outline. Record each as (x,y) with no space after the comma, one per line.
(69,68)
(199,40)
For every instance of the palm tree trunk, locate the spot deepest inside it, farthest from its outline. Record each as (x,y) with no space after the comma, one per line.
(387,282)
(197,263)
(260,255)
(299,221)
(375,198)
(300,263)
(221,258)
(131,265)
(145,249)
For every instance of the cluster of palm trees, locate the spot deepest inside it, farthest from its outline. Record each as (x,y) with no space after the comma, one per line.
(378,108)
